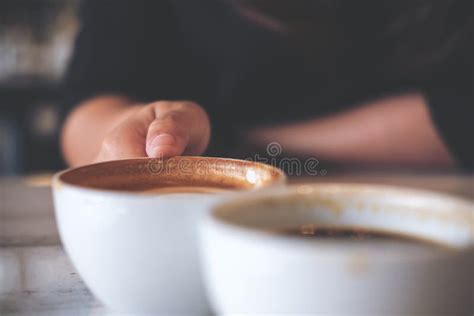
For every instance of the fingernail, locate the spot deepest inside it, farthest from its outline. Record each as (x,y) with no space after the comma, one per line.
(163,139)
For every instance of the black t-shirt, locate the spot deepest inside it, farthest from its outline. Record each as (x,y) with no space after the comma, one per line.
(244,73)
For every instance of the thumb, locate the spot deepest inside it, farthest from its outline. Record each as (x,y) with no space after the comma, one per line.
(178,128)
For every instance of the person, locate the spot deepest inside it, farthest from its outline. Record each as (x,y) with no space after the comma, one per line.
(353,82)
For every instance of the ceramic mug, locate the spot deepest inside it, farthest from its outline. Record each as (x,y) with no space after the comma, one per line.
(136,250)
(250,269)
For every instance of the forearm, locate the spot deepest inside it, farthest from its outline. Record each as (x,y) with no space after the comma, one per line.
(396,130)
(87,125)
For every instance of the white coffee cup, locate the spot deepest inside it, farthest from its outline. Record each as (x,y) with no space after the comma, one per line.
(137,251)
(249,269)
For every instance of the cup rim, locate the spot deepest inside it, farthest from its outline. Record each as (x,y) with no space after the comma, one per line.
(255,233)
(277,176)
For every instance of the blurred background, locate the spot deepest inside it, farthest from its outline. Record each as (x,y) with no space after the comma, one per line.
(36,39)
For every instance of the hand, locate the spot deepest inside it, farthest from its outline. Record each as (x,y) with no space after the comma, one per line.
(159,129)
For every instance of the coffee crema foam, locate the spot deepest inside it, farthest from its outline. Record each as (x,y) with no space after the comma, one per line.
(185,190)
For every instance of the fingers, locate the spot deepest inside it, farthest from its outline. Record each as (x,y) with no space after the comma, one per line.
(121,145)
(127,139)
(178,128)
(167,136)
(160,129)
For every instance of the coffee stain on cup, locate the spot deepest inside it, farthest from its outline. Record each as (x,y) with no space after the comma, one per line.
(336,207)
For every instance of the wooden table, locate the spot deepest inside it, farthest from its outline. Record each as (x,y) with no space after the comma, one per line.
(36,277)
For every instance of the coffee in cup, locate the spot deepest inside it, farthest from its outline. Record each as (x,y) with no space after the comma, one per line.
(355,234)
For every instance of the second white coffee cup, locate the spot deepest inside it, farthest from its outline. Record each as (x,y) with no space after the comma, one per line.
(250,269)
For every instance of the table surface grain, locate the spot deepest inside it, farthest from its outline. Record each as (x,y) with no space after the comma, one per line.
(36,277)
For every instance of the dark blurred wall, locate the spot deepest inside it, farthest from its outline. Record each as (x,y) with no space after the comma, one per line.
(35,43)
